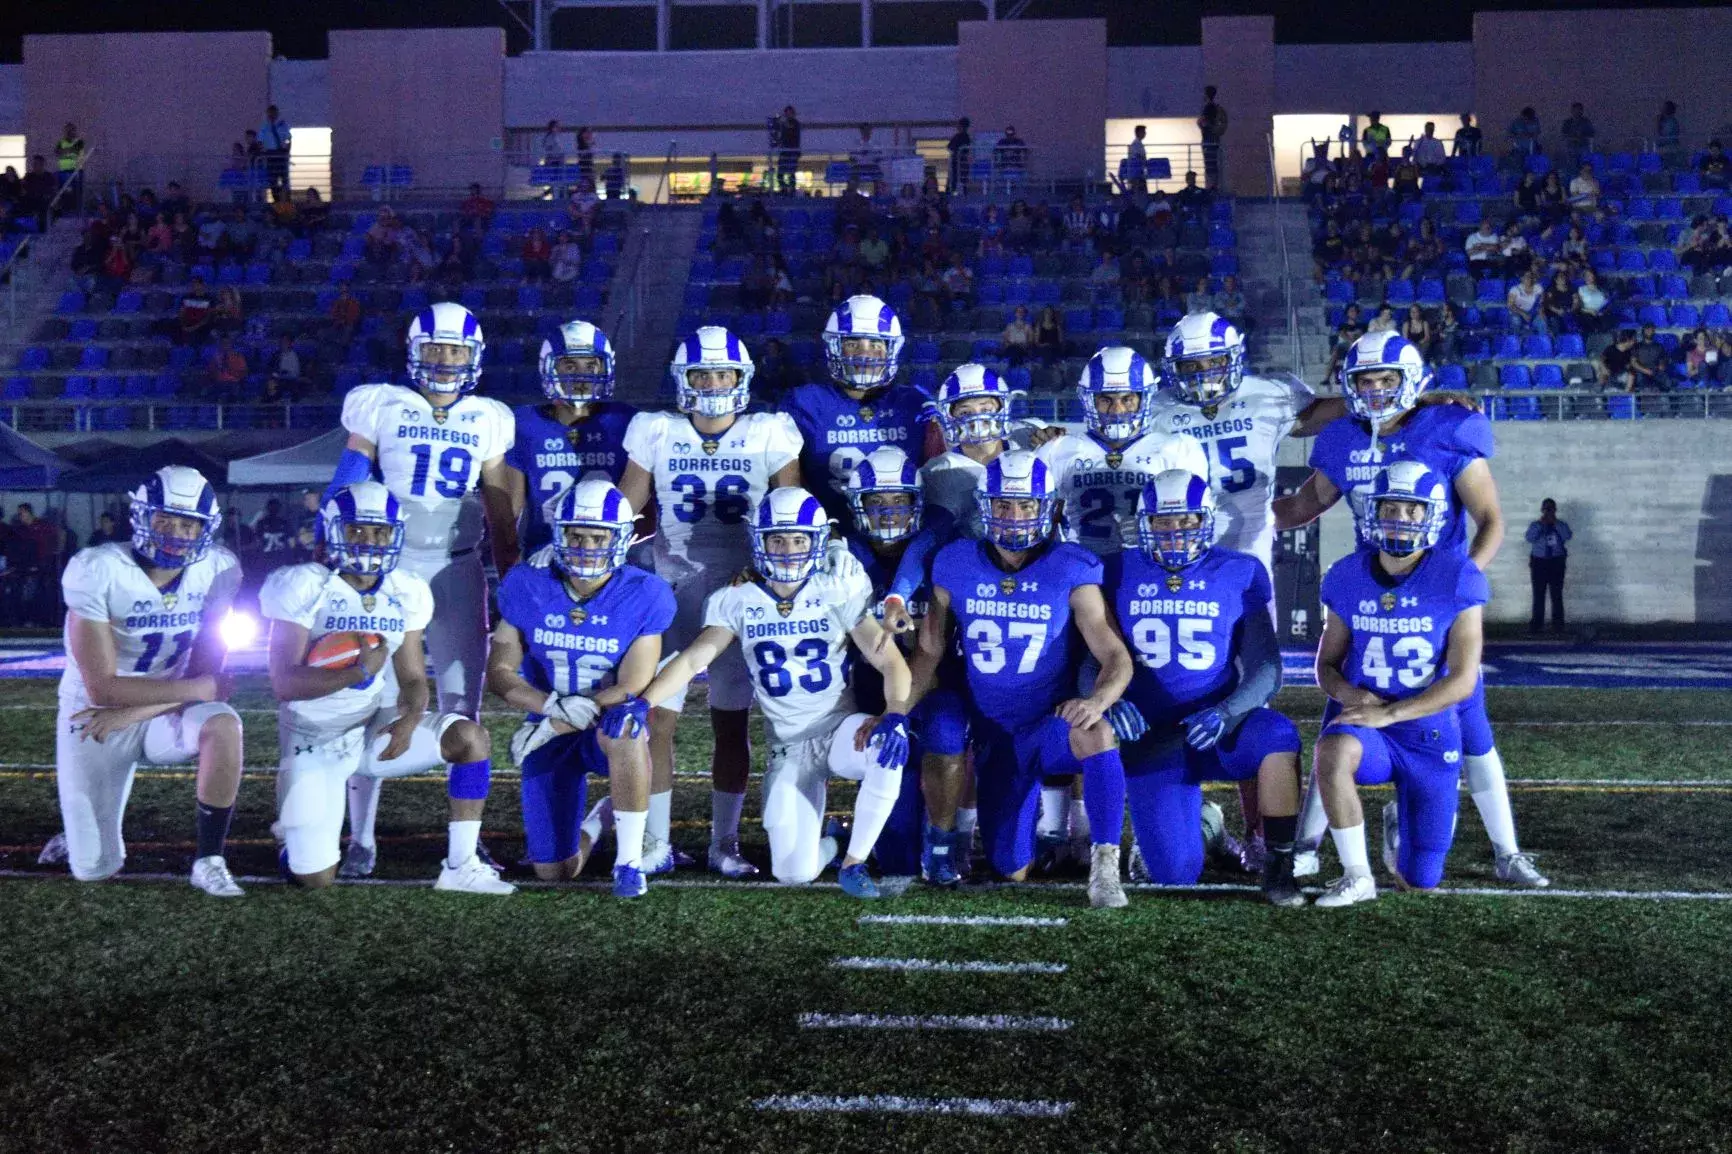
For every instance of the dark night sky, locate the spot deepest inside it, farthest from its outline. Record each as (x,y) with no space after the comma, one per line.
(298,26)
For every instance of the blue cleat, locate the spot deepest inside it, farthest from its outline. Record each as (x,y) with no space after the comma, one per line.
(856,882)
(936,864)
(283,869)
(1050,852)
(629,882)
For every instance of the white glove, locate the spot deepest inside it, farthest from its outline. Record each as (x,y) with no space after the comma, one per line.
(529,738)
(839,561)
(574,709)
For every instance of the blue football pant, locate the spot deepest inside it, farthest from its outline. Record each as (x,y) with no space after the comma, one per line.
(1423,758)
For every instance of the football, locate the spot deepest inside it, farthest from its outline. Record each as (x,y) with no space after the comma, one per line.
(339,650)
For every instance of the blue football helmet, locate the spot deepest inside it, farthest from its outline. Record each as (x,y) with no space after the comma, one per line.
(966,383)
(1175,493)
(362,503)
(1378,351)
(1018,475)
(863,316)
(446,323)
(174,493)
(1116,369)
(886,471)
(1407,482)
(577,339)
(591,504)
(785,511)
(712,347)
(1204,360)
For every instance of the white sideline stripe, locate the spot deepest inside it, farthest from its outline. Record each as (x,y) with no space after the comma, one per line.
(932,966)
(953,920)
(896,1104)
(932,1022)
(503,770)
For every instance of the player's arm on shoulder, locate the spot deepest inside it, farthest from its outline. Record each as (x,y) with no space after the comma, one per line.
(1320,412)
(688,663)
(1477,490)
(1306,503)
(1449,397)
(874,642)
(1101,634)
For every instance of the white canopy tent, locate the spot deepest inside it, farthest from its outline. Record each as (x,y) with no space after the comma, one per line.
(309,463)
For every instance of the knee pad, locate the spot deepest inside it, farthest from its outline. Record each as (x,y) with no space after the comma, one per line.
(311,850)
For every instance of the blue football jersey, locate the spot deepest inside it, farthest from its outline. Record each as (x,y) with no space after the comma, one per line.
(1015,628)
(552,456)
(570,648)
(1401,628)
(1446,438)
(838,432)
(1184,627)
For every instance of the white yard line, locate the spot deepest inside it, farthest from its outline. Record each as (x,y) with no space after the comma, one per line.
(933,966)
(975,1022)
(897,1104)
(953,920)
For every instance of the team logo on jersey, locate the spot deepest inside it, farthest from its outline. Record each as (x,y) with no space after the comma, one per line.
(409,414)
(984,590)
(1410,602)
(1114,459)
(1197,584)
(1368,607)
(1210,411)
(867,414)
(1008,586)
(1174,582)
(844,421)
(1387,601)
(368,600)
(710,447)
(141,606)
(1181,418)
(554,621)
(169,599)
(578,614)
(470,418)
(785,607)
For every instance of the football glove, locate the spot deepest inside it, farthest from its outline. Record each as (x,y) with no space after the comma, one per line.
(1204,728)
(627,719)
(530,736)
(574,709)
(1127,721)
(891,735)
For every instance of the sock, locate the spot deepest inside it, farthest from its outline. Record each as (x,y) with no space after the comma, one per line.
(461,838)
(660,826)
(1312,820)
(872,806)
(725,816)
(1491,797)
(966,818)
(363,809)
(1278,832)
(1054,806)
(628,828)
(1079,818)
(1104,795)
(213,828)
(1350,848)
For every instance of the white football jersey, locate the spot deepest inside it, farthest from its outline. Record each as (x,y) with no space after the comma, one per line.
(1241,438)
(798,662)
(432,468)
(154,629)
(706,488)
(317,598)
(1100,487)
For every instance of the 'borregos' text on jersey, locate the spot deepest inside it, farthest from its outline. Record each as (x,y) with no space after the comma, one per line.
(1100,485)
(576,648)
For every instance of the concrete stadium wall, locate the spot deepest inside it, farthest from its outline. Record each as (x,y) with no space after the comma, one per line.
(1009,71)
(1395,78)
(301,90)
(1239,60)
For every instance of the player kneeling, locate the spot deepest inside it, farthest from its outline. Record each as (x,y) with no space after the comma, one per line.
(1400,649)
(1207,663)
(143,678)
(793,622)
(578,639)
(334,625)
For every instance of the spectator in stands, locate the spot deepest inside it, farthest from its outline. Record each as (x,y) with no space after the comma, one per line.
(1715,168)
(1104,279)
(1666,130)
(116,265)
(1553,201)
(1019,227)
(185,237)
(1585,190)
(1447,347)
(865,165)
(1138,281)
(174,200)
(567,258)
(314,212)
(1404,177)
(1352,327)
(1484,248)
(1577,131)
(1548,540)
(456,256)
(234,535)
(1010,155)
(1230,302)
(68,155)
(1591,303)
(1417,331)
(1513,248)
(582,207)
(1424,251)
(961,148)
(1200,299)
(776,374)
(384,238)
(194,319)
(1616,364)
(241,235)
(1469,140)
(1192,202)
(38,187)
(756,282)
(276,140)
(929,295)
(1695,349)
(1137,160)
(1706,247)
(785,139)
(416,254)
(1049,339)
(212,238)
(1526,200)
(1558,304)
(476,211)
(1076,225)
(344,315)
(1383,320)
(1212,124)
(1428,150)
(585,141)
(225,372)
(1131,222)
(537,256)
(1525,302)
(1524,132)
(1648,362)
(159,239)
(105,530)
(874,253)
(1375,138)
(908,210)
(959,283)
(286,382)
(1573,252)
(552,147)
(782,283)
(307,524)
(1016,342)
(1720,359)
(228,316)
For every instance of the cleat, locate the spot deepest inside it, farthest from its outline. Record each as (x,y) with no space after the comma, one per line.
(1253,855)
(283,870)
(1139,869)
(277,832)
(1279,888)
(211,874)
(1392,840)
(629,882)
(486,858)
(963,851)
(358,861)
(1519,869)
(1105,890)
(658,858)
(856,882)
(683,860)
(725,859)
(1306,863)
(1220,846)
(472,877)
(936,866)
(1050,851)
(1348,890)
(1077,849)
(54,852)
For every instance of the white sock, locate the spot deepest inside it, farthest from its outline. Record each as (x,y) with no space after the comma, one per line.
(461,838)
(1350,848)
(1054,807)
(966,818)
(628,829)
(1491,797)
(725,809)
(1313,822)
(1079,820)
(363,809)
(872,806)
(661,807)
(595,823)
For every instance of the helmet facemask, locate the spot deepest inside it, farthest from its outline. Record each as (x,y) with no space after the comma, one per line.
(860,361)
(1207,378)
(717,391)
(363,546)
(578,377)
(1176,539)
(444,367)
(887,515)
(788,554)
(1015,522)
(1125,417)
(982,422)
(590,550)
(171,538)
(1404,525)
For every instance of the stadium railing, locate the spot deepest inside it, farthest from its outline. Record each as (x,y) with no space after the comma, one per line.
(1278,210)
(1501,405)
(12,268)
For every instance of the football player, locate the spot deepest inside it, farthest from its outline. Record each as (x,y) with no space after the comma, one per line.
(707,466)
(860,407)
(144,679)
(339,722)
(1019,601)
(973,410)
(1383,377)
(434,443)
(1207,664)
(577,433)
(793,621)
(578,639)
(1400,653)
(894,547)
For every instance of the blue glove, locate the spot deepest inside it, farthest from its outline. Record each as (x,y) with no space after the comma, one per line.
(1127,721)
(891,735)
(627,719)
(1204,728)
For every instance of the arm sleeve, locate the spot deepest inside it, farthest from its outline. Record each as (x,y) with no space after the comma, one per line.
(1472,588)
(504,431)
(913,570)
(361,411)
(84,586)
(1473,437)
(1331,593)
(723,608)
(1259,661)
(285,597)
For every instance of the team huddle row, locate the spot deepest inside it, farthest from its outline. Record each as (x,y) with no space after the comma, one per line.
(1004,633)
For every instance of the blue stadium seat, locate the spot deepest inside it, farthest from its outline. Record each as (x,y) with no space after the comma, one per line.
(82,329)
(1431,291)
(1663,260)
(529,298)
(1508,346)
(778,323)
(1603,260)
(1340,292)
(1622,407)
(71,301)
(1641,208)
(78,387)
(1399,293)
(1685,317)
(1452,377)
(93,357)
(924,352)
(1717,316)
(1548,377)
(259,273)
(1570,345)
(1673,287)
(1537,346)
(1651,315)
(1631,260)
(1109,318)
(1079,320)
(299,249)
(1515,377)
(17,389)
(473,299)
(128,302)
(165,384)
(1492,289)
(1641,287)
(1022,266)
(136,387)
(1649,162)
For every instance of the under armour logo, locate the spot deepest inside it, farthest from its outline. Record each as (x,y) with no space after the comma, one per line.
(1031,586)
(598,618)
(471,416)
(1409,602)
(1195,583)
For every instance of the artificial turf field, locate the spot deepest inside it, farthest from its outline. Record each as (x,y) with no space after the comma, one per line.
(143,1017)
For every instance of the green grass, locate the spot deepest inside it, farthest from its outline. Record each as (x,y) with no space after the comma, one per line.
(147,1017)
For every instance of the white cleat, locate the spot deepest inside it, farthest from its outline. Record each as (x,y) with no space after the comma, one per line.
(358,861)
(211,874)
(725,859)
(1138,869)
(1519,869)
(1306,863)
(1348,890)
(1105,890)
(1392,839)
(54,852)
(472,877)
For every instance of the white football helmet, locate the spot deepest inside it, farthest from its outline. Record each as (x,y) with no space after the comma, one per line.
(366,503)
(1204,359)
(1172,493)
(886,471)
(591,504)
(784,511)
(967,383)
(1116,369)
(174,517)
(446,323)
(871,329)
(1017,475)
(1376,352)
(713,348)
(1410,483)
(577,339)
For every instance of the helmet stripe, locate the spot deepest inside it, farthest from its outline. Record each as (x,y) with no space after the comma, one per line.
(886,318)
